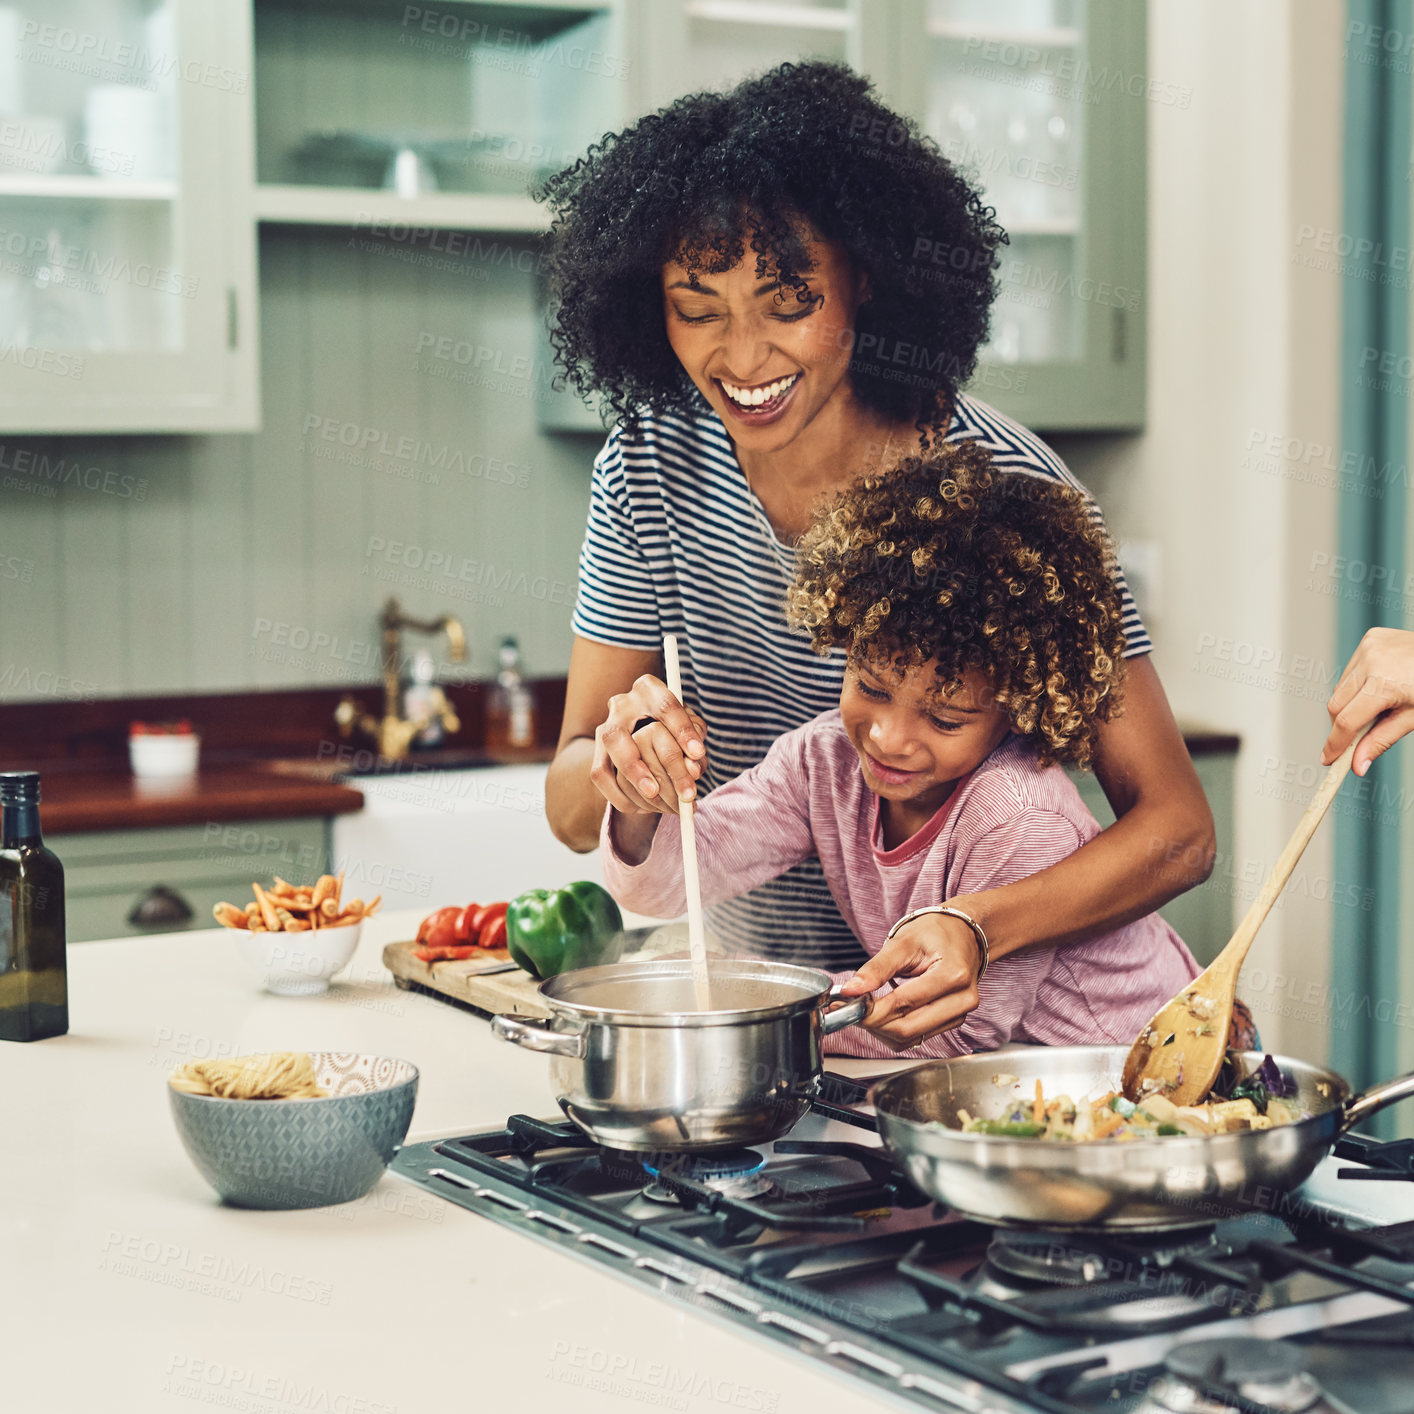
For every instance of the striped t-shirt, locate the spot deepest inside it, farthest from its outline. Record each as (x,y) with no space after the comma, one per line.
(678,543)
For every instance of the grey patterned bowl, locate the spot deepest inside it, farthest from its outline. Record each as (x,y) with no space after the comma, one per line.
(302,1153)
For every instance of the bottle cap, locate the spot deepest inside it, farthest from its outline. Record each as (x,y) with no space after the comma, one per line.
(19,787)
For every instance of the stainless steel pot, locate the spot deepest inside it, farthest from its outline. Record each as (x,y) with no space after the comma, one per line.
(636,1065)
(1173,1182)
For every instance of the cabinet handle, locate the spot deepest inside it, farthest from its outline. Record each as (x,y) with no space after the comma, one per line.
(160,907)
(231,312)
(1117,333)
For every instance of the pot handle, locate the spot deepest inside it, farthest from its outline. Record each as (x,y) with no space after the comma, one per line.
(537,1034)
(1375,1099)
(851,1013)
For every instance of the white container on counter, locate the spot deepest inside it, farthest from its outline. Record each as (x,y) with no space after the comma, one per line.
(164,755)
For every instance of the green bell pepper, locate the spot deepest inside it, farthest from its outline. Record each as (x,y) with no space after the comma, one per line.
(549,931)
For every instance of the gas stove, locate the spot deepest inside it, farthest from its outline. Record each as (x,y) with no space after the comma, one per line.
(819,1240)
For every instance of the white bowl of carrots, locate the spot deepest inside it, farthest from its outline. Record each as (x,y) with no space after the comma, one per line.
(297,936)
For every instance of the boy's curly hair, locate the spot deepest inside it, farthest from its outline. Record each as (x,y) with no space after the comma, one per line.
(941,558)
(715,174)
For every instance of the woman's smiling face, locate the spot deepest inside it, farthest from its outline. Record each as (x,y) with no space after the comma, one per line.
(765,360)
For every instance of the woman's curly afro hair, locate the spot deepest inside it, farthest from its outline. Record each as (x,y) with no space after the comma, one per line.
(715,173)
(943,559)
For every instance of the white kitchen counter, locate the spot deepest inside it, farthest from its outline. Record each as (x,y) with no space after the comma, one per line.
(125,1286)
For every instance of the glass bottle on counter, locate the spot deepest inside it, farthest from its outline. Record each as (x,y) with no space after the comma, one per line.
(34,989)
(510,709)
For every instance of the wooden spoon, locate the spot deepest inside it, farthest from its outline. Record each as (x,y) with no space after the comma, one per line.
(1180,1052)
(696,926)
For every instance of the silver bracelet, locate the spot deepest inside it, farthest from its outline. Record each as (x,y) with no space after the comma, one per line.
(951,912)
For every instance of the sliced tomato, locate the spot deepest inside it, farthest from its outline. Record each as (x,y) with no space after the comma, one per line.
(447,954)
(438,929)
(493,935)
(466,928)
(487,919)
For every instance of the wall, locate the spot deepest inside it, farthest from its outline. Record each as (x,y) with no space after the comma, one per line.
(215,563)
(1243,346)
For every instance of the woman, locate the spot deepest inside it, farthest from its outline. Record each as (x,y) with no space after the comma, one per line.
(775,289)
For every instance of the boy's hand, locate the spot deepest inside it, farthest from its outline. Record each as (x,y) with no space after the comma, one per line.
(646,770)
(940,957)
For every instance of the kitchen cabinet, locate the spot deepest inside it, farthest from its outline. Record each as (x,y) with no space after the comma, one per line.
(1045,101)
(127,258)
(127,290)
(109,873)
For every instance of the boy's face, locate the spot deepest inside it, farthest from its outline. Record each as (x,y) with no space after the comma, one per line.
(913,743)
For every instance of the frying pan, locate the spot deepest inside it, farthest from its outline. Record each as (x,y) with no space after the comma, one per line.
(1135,1185)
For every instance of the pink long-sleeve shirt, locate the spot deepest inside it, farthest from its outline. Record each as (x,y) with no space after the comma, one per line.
(1006,820)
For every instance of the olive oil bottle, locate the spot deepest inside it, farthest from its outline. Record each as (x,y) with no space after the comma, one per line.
(34,987)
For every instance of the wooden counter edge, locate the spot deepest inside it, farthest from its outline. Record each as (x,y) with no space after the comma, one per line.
(290,800)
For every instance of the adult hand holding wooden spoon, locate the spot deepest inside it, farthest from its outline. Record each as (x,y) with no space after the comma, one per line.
(649,751)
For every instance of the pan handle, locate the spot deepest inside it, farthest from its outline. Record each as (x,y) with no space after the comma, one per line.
(536,1034)
(852,1012)
(1375,1099)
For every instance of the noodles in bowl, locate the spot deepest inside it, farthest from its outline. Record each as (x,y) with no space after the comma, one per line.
(282,1075)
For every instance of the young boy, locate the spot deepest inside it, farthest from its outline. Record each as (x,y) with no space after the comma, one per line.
(983,636)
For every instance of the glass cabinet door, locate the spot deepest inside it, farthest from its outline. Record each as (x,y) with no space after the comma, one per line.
(1024,142)
(1042,102)
(126,245)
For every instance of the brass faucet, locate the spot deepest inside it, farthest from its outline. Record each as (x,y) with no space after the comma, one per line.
(393,732)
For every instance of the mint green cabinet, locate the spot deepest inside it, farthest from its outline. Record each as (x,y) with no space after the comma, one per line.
(108,873)
(1046,102)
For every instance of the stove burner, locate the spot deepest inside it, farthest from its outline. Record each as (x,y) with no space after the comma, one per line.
(1068,1259)
(1221,1375)
(735,1173)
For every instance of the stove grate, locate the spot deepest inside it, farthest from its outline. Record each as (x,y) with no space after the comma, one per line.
(1385,1161)
(1081,1310)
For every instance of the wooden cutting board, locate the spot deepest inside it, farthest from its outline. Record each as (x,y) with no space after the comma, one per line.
(514,992)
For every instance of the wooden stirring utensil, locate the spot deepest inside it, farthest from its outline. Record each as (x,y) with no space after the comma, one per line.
(696,927)
(1180,1052)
